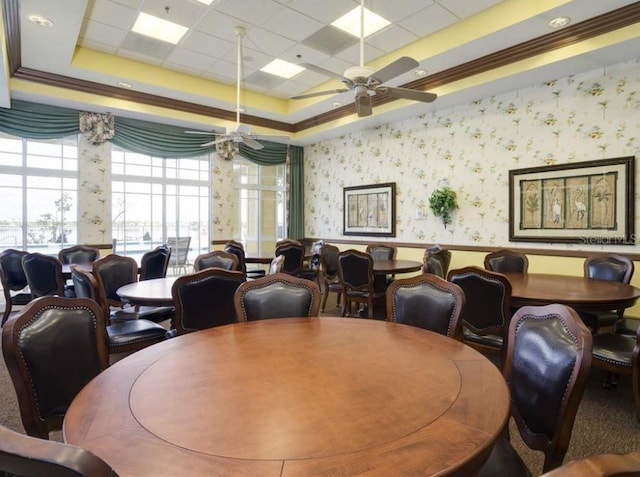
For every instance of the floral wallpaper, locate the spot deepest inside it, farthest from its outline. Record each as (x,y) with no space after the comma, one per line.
(471,148)
(94,192)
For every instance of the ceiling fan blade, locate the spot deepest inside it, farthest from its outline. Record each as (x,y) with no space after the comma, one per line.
(270,136)
(320,93)
(406,93)
(363,105)
(216,141)
(252,143)
(205,133)
(395,68)
(323,71)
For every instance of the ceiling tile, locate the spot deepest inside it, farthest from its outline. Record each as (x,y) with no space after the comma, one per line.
(255,12)
(465,8)
(430,20)
(197,61)
(108,12)
(102,34)
(147,47)
(398,9)
(207,44)
(391,38)
(292,24)
(324,11)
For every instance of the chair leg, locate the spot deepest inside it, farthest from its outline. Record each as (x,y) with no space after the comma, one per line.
(635,382)
(344,307)
(324,300)
(370,310)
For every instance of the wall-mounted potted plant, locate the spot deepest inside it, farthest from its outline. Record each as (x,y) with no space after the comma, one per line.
(443,202)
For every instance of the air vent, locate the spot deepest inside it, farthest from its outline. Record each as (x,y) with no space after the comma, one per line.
(146,46)
(330,40)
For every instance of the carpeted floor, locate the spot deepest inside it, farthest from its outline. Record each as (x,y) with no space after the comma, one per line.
(605,421)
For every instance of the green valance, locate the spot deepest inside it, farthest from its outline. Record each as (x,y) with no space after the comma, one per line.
(160,140)
(273,153)
(38,121)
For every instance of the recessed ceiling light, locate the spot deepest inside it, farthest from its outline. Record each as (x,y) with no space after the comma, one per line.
(337,103)
(420,73)
(206,2)
(158,28)
(40,21)
(122,84)
(282,68)
(559,22)
(350,22)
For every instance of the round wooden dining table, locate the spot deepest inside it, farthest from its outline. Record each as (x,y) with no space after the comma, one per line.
(577,292)
(396,266)
(153,292)
(294,397)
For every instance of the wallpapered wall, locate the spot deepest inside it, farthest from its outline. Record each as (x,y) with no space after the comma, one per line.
(471,148)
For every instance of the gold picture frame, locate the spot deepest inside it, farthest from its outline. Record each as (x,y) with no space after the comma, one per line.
(370,210)
(588,202)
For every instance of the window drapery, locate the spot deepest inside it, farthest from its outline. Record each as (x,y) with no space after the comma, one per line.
(39,121)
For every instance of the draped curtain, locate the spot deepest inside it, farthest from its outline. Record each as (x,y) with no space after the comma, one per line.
(38,121)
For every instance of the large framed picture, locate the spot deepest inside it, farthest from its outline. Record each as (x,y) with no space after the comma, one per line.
(584,202)
(370,210)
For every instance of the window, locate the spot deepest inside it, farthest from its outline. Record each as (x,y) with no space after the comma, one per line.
(38,190)
(261,201)
(155,198)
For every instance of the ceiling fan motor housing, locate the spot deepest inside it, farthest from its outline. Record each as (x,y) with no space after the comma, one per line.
(358,74)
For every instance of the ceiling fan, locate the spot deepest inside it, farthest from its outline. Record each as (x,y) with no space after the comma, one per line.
(367,82)
(239,132)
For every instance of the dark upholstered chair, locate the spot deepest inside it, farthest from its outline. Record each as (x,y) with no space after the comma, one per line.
(486,314)
(154,263)
(204,299)
(293,257)
(112,272)
(505,261)
(179,258)
(381,251)
(276,265)
(619,354)
(44,274)
(52,348)
(218,259)
(78,254)
(436,260)
(355,270)
(236,248)
(546,369)
(330,275)
(14,281)
(426,301)
(276,296)
(602,465)
(612,267)
(26,456)
(311,263)
(123,335)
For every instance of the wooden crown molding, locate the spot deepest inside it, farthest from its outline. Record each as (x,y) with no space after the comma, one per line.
(579,32)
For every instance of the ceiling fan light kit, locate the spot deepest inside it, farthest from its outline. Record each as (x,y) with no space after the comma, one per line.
(366,82)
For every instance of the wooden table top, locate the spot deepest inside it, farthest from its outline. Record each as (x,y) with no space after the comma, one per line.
(292,397)
(577,292)
(396,266)
(154,292)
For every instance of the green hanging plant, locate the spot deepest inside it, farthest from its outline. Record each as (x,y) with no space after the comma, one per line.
(443,202)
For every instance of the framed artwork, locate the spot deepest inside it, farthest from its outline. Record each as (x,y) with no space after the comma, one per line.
(584,202)
(370,210)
